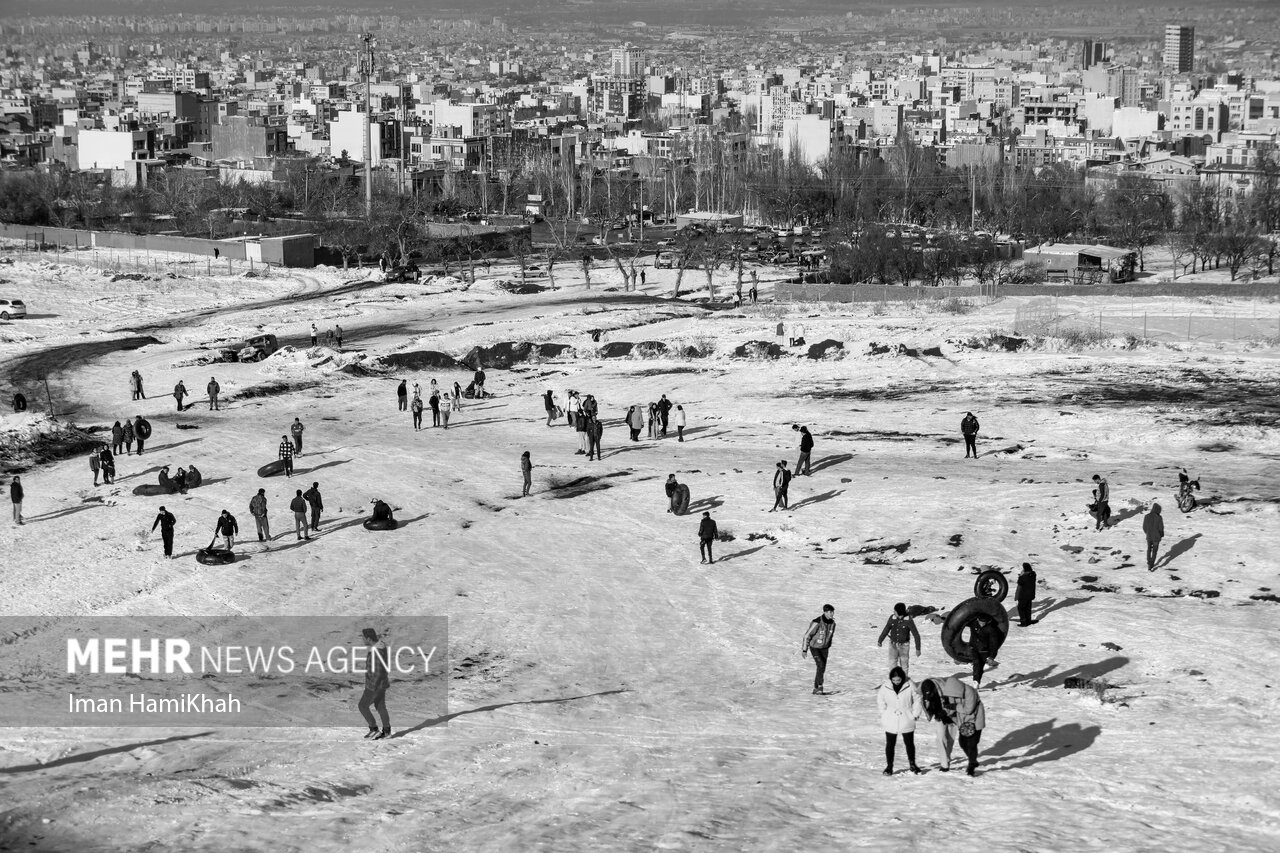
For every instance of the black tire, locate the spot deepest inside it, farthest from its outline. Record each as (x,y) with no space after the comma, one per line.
(991,584)
(1186,503)
(953,642)
(682,499)
(215,556)
(149,490)
(380,524)
(271,469)
(144,430)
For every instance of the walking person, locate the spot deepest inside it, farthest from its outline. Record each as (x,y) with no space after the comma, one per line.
(435,408)
(227,528)
(457,397)
(1103,502)
(672,488)
(781,480)
(969,429)
(1153,527)
(298,506)
(680,422)
(653,420)
(1024,594)
(107,461)
(285,453)
(817,640)
(478,379)
(135,383)
(900,630)
(141,429)
(984,641)
(377,679)
(213,388)
(295,429)
(337,333)
(316,502)
(165,521)
(806,449)
(957,709)
(581,425)
(258,509)
(402,394)
(15,497)
(127,436)
(900,705)
(179,392)
(595,433)
(635,420)
(315,335)
(417,413)
(549,403)
(526,469)
(95,463)
(706,535)
(445,408)
(117,438)
(572,407)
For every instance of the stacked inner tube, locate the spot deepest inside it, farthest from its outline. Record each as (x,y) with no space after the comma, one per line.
(965,616)
(991,584)
(215,556)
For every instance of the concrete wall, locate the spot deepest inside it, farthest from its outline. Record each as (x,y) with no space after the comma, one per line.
(291,251)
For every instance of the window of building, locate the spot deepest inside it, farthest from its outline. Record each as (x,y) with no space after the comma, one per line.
(1199,119)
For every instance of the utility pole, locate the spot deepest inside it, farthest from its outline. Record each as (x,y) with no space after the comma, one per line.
(366,70)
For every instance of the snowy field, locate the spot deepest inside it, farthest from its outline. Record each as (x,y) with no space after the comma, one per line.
(606,691)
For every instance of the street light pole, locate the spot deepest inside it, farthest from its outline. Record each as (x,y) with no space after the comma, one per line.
(366,70)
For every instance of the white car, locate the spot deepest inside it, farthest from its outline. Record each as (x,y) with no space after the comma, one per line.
(12,309)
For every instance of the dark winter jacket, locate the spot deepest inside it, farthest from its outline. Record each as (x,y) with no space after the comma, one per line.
(298,504)
(782,478)
(985,641)
(806,441)
(128,432)
(296,428)
(672,485)
(664,406)
(258,506)
(1153,524)
(179,390)
(548,402)
(1026,590)
(402,390)
(434,400)
(381,511)
(899,630)
(376,675)
(707,529)
(165,521)
(312,496)
(969,426)
(213,388)
(15,492)
(820,634)
(117,433)
(478,378)
(597,430)
(227,525)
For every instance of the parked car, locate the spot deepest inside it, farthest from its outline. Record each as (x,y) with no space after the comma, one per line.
(255,348)
(12,309)
(403,273)
(665,260)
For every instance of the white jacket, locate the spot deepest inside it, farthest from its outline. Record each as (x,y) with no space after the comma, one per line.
(574,404)
(898,711)
(680,417)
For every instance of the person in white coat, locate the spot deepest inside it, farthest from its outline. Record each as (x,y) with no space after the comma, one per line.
(680,422)
(900,705)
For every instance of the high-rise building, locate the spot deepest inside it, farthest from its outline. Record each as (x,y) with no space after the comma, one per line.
(627,62)
(1179,48)
(1093,52)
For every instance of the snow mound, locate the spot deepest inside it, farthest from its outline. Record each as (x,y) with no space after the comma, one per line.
(290,359)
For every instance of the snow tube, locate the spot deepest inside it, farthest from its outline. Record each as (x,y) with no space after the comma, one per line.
(143,429)
(215,556)
(991,584)
(682,499)
(150,490)
(380,524)
(272,468)
(953,641)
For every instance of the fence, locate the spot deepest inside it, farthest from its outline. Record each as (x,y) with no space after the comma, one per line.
(294,250)
(1043,316)
(794,292)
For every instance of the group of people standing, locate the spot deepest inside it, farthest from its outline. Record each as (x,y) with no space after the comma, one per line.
(441,402)
(124,435)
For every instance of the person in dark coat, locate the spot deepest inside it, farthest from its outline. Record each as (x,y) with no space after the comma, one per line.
(1153,527)
(107,462)
(1025,594)
(969,429)
(781,480)
(165,521)
(402,394)
(15,496)
(179,391)
(135,385)
(95,463)
(117,438)
(1102,511)
(806,449)
(214,389)
(985,642)
(434,400)
(706,535)
(316,502)
(672,488)
(128,437)
(299,508)
(549,403)
(817,639)
(227,528)
(377,679)
(595,436)
(381,510)
(664,411)
(478,379)
(19,402)
(416,411)
(526,470)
